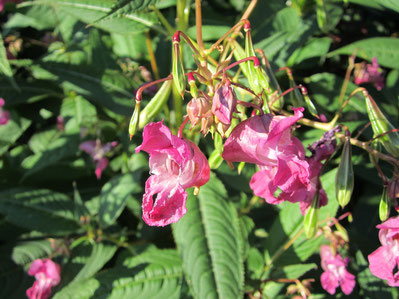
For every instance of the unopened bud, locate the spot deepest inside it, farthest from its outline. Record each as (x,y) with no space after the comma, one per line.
(344,180)
(134,120)
(179,79)
(197,109)
(311,218)
(381,125)
(224,103)
(385,205)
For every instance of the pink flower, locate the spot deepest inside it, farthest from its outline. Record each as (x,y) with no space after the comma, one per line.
(47,275)
(97,151)
(200,109)
(335,273)
(369,73)
(267,141)
(175,164)
(224,103)
(384,262)
(4,115)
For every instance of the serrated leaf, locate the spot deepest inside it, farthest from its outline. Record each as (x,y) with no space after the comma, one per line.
(122,7)
(114,195)
(88,11)
(35,209)
(101,253)
(5,68)
(26,252)
(208,239)
(43,140)
(10,132)
(153,274)
(385,49)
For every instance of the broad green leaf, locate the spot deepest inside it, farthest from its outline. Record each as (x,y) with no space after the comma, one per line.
(100,255)
(26,252)
(209,32)
(369,3)
(10,132)
(391,4)
(132,45)
(77,113)
(35,209)
(88,11)
(43,140)
(38,17)
(114,195)
(316,47)
(153,274)
(385,49)
(5,68)
(208,239)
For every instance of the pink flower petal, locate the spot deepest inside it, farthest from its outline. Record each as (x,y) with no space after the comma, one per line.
(89,147)
(100,166)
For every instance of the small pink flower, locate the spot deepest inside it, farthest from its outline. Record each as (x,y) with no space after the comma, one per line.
(97,151)
(369,73)
(224,103)
(199,109)
(384,261)
(335,273)
(47,275)
(4,115)
(267,141)
(60,123)
(175,164)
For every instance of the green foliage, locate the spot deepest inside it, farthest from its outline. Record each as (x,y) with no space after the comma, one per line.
(208,239)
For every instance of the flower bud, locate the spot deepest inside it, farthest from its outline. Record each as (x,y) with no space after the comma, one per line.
(134,120)
(381,125)
(179,79)
(393,187)
(197,109)
(311,218)
(224,103)
(385,205)
(344,179)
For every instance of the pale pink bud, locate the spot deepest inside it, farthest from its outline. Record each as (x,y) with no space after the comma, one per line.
(224,102)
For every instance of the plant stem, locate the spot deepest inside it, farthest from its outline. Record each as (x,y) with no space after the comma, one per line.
(153,61)
(163,20)
(198,25)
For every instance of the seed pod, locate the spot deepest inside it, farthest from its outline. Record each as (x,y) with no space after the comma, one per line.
(311,218)
(253,79)
(134,120)
(344,179)
(179,79)
(381,125)
(385,205)
(156,103)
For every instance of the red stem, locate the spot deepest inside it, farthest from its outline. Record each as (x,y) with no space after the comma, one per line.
(180,132)
(141,89)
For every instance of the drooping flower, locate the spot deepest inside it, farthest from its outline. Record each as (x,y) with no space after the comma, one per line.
(267,141)
(369,73)
(4,115)
(224,102)
(97,151)
(335,273)
(47,275)
(175,165)
(384,261)
(199,109)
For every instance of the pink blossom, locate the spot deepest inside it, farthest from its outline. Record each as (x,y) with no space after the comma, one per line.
(200,109)
(335,273)
(47,275)
(369,73)
(224,103)
(3,2)
(384,261)
(175,164)
(4,115)
(267,141)
(97,151)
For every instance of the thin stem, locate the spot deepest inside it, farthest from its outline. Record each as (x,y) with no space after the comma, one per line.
(347,76)
(383,134)
(338,114)
(153,61)
(188,41)
(379,170)
(163,20)
(362,130)
(248,104)
(180,132)
(198,25)
(287,91)
(253,58)
(141,89)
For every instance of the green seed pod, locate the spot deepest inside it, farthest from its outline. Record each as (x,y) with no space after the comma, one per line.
(385,205)
(156,104)
(179,79)
(253,79)
(344,180)
(134,120)
(381,125)
(215,159)
(311,218)
(311,107)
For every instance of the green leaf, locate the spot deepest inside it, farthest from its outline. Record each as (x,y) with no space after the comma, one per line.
(38,17)
(10,132)
(122,7)
(26,252)
(208,239)
(101,253)
(132,45)
(88,11)
(77,113)
(385,49)
(391,4)
(114,195)
(35,209)
(43,140)
(5,68)
(316,47)
(153,274)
